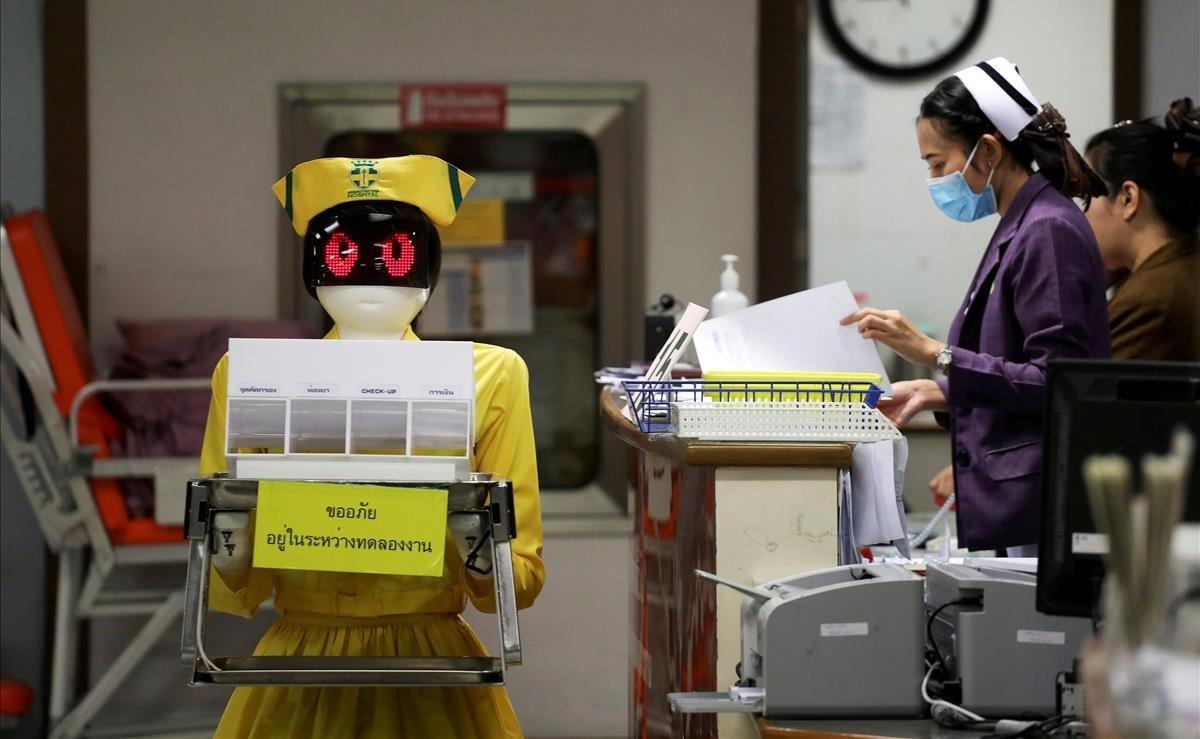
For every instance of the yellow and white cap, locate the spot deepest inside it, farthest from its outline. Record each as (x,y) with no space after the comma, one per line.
(434,186)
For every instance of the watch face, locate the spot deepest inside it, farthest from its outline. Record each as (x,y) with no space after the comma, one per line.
(902,38)
(943,359)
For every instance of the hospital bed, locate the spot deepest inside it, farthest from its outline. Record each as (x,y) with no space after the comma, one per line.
(58,440)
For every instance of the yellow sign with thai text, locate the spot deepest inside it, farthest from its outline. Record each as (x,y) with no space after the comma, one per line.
(338,527)
(479,223)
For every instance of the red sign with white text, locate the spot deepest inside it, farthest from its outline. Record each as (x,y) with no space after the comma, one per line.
(453,106)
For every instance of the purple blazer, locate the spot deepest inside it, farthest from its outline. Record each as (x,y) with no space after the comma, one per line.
(1038,295)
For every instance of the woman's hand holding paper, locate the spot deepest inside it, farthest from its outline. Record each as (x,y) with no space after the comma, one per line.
(897,332)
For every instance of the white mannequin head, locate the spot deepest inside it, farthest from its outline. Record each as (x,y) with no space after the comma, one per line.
(372,311)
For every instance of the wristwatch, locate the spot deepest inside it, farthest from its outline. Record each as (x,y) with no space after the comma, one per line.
(943,359)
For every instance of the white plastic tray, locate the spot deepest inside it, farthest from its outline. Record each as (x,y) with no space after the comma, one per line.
(781,421)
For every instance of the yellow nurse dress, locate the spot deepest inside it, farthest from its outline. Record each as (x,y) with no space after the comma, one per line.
(335,613)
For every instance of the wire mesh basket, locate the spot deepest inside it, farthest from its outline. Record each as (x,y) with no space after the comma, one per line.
(760,410)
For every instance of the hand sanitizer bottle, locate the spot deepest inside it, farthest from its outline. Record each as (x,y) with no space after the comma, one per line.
(729,299)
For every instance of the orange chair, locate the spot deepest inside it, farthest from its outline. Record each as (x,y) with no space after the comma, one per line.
(60,329)
(68,473)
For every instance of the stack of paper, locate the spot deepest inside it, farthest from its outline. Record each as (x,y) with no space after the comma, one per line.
(797,333)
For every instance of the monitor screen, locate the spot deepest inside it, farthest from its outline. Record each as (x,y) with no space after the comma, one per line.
(1103,407)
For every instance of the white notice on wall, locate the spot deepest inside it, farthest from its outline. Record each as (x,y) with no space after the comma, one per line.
(837,102)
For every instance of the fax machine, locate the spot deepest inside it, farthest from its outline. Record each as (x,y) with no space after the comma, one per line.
(841,641)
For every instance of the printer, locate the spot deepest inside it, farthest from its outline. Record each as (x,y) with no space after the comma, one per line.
(1005,655)
(836,642)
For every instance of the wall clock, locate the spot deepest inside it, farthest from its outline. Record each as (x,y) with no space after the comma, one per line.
(902,38)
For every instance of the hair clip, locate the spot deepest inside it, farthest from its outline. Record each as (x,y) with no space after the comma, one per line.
(1049,120)
(1122,124)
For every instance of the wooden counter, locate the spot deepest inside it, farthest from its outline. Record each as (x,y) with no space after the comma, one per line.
(748,511)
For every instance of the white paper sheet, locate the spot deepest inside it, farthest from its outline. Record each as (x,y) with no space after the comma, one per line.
(795,333)
(873,484)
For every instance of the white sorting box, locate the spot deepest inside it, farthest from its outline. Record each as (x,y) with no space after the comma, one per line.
(350,410)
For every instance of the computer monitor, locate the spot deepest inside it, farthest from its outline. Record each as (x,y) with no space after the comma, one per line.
(1102,407)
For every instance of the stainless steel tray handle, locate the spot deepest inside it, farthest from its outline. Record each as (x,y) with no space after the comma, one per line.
(506,603)
(214,495)
(192,612)
(195,589)
(503,529)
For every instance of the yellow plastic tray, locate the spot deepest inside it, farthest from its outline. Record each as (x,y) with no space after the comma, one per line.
(816,382)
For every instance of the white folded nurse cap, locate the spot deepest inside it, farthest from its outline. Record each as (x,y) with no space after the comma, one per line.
(1001,94)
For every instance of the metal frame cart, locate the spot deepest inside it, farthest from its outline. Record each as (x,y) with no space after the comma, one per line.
(486,502)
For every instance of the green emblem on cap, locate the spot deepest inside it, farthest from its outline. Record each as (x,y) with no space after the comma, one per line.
(363,173)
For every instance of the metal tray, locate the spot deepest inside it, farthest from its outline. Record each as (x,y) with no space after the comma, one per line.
(479,496)
(343,671)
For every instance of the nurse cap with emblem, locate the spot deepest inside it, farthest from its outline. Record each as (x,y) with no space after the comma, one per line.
(434,186)
(1001,94)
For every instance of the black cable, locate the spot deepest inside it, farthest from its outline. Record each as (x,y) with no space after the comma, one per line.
(929,628)
(1044,728)
(473,555)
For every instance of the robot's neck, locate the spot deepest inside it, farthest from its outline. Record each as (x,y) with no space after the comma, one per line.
(348,330)
(372,311)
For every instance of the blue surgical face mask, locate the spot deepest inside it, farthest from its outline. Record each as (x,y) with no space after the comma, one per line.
(954,197)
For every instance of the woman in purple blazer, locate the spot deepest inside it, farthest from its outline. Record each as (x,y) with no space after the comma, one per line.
(1037,296)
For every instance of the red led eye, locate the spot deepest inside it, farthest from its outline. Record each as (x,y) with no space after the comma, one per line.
(398,255)
(340,254)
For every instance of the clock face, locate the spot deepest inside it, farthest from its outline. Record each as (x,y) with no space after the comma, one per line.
(902,38)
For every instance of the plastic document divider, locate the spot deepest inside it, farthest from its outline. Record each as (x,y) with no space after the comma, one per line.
(815,384)
(350,410)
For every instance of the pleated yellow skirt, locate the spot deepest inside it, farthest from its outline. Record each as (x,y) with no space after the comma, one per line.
(362,712)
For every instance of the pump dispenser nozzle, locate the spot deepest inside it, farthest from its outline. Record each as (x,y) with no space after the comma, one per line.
(729,277)
(729,299)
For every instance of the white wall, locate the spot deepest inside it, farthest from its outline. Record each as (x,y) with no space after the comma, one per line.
(1171,67)
(183,127)
(875,225)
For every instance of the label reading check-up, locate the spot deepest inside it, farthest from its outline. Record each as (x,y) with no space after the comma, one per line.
(377,391)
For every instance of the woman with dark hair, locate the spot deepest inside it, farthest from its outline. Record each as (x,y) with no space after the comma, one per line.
(1146,223)
(1037,296)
